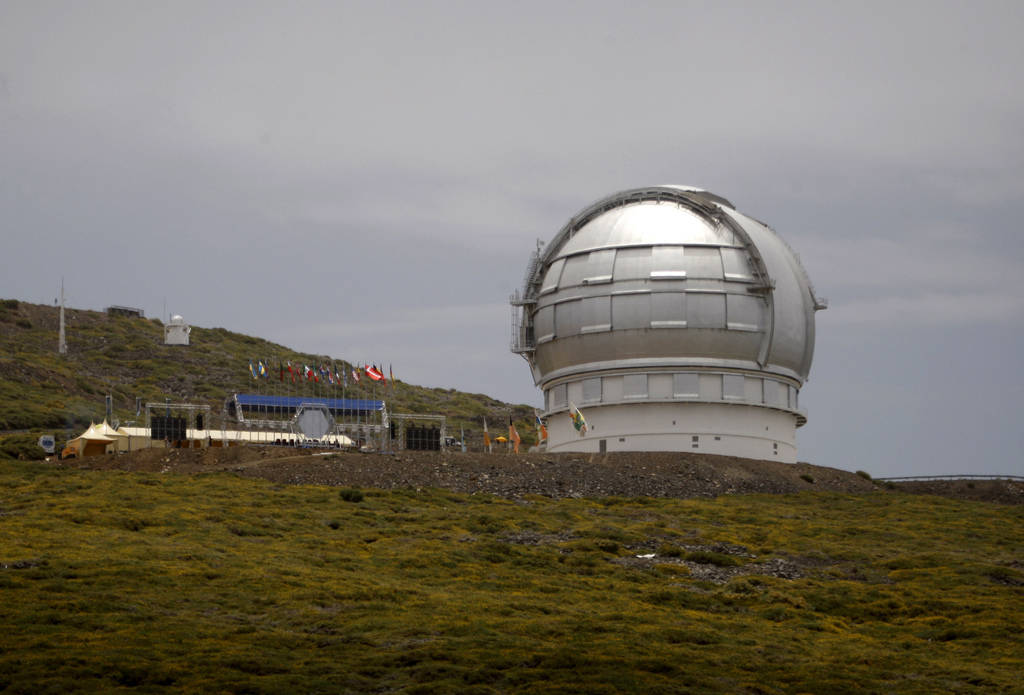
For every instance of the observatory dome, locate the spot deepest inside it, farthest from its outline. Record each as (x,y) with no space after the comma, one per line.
(665,295)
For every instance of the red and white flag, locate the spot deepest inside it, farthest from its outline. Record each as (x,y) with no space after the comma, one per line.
(374,373)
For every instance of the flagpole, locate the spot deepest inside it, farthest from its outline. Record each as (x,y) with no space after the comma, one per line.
(375,419)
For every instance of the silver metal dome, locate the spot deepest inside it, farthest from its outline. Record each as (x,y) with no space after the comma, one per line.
(665,277)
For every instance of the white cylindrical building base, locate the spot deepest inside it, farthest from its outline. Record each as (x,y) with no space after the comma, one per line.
(755,432)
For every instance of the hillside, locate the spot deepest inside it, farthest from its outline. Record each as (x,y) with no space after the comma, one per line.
(126,358)
(162,582)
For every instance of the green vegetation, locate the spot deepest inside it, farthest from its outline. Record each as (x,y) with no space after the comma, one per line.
(126,358)
(114,581)
(351,495)
(22,447)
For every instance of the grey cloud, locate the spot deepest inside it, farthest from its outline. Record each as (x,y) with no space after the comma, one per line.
(368,180)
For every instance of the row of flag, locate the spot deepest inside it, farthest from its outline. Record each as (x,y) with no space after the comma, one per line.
(578,422)
(513,435)
(542,430)
(328,374)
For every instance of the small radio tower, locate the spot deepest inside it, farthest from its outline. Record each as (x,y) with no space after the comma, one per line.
(62,343)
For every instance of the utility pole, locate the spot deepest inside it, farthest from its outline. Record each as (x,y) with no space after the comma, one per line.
(62,344)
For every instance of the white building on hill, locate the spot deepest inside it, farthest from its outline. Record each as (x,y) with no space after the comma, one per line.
(176,332)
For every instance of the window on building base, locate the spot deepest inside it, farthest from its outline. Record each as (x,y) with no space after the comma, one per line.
(559,397)
(685,386)
(634,386)
(732,387)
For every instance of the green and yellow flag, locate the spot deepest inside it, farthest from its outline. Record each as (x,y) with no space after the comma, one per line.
(577,419)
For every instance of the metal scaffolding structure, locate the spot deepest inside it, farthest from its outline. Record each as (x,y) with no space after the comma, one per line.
(311,421)
(402,431)
(197,420)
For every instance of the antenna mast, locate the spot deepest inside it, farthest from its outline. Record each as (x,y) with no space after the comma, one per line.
(62,343)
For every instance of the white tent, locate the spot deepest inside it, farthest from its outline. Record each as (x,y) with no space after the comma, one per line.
(93,442)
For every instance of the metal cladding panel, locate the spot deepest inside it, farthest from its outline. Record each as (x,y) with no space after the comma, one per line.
(703,262)
(599,234)
(705,310)
(646,223)
(668,262)
(793,318)
(668,346)
(736,265)
(633,263)
(631,311)
(553,276)
(568,318)
(600,263)
(668,309)
(576,268)
(544,323)
(744,312)
(597,314)
(588,268)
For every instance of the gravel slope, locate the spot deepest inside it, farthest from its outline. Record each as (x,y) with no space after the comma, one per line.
(506,475)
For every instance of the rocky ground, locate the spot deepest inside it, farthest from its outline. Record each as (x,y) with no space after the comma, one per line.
(1001,491)
(553,475)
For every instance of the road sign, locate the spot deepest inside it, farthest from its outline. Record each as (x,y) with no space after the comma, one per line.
(46,441)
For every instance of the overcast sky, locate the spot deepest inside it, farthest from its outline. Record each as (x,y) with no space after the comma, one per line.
(367,180)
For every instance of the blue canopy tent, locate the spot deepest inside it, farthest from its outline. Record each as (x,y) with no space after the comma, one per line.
(241,404)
